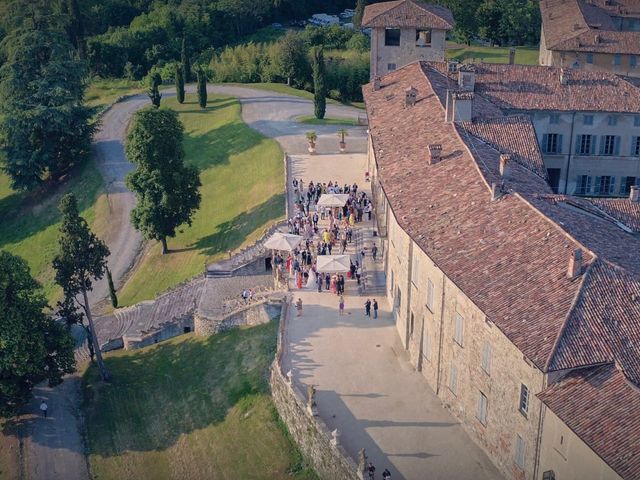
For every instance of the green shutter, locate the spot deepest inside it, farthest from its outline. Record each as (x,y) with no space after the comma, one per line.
(578,143)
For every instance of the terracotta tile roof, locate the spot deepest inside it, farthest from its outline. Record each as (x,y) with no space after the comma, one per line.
(576,25)
(509,256)
(407,13)
(600,406)
(531,87)
(622,209)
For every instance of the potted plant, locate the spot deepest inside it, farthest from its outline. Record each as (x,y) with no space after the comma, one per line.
(343,133)
(312,137)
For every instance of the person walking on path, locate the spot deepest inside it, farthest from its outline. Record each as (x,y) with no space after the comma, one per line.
(299,306)
(358,272)
(319,281)
(367,308)
(386,475)
(43,408)
(374,251)
(372,470)
(341,305)
(375,308)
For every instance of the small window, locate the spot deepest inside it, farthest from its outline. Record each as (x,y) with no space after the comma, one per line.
(549,475)
(486,358)
(524,400)
(459,329)
(583,185)
(626,183)
(481,415)
(617,59)
(423,38)
(633,61)
(554,119)
(587,119)
(635,146)
(612,120)
(430,295)
(411,325)
(636,121)
(392,37)
(520,448)
(453,379)
(609,145)
(604,185)
(391,67)
(589,57)
(552,143)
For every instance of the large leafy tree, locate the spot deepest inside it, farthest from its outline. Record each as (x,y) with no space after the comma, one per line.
(166,189)
(319,82)
(81,259)
(33,347)
(291,57)
(44,123)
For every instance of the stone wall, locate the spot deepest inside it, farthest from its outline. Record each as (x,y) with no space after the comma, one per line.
(163,332)
(310,433)
(252,314)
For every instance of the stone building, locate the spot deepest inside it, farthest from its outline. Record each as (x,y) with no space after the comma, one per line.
(520,307)
(594,35)
(404,31)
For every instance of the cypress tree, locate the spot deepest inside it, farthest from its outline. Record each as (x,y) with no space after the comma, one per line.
(202,87)
(180,84)
(112,290)
(186,64)
(154,92)
(319,82)
(357,15)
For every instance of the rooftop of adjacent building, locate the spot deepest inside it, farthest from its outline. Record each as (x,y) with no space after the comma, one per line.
(598,26)
(407,13)
(559,276)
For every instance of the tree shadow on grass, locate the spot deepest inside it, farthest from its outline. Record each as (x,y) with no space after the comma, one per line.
(232,233)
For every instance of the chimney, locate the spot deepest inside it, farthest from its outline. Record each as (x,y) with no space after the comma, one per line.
(459,107)
(497,190)
(575,264)
(411,94)
(434,153)
(377,83)
(564,76)
(467,78)
(512,55)
(634,194)
(505,166)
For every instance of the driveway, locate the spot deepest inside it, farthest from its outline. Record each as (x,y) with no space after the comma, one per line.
(53,448)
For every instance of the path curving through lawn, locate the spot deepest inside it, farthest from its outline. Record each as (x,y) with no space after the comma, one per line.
(56,443)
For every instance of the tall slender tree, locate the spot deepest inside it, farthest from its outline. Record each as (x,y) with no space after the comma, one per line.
(112,290)
(358,14)
(154,85)
(76,27)
(179,84)
(34,347)
(81,259)
(166,189)
(186,63)
(202,87)
(319,82)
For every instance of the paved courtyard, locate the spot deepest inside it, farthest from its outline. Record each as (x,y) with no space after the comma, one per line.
(365,384)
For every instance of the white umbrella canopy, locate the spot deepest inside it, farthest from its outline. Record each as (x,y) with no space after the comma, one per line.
(283,241)
(333,200)
(333,263)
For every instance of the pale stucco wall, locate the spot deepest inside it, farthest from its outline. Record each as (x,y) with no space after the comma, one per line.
(567,455)
(601,62)
(408,51)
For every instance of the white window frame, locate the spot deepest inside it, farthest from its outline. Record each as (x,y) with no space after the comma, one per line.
(523,401)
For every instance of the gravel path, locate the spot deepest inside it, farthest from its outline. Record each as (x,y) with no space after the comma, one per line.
(53,447)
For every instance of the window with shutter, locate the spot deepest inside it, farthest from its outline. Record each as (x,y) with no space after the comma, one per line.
(482,408)
(520,451)
(459,329)
(426,345)
(523,405)
(430,295)
(635,146)
(453,379)
(486,358)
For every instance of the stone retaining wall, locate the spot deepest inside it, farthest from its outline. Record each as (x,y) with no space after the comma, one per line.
(310,433)
(165,331)
(253,314)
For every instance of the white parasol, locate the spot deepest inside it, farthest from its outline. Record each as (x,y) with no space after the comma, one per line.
(333,263)
(333,200)
(283,241)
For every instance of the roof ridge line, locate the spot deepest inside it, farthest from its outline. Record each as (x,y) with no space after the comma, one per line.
(565,321)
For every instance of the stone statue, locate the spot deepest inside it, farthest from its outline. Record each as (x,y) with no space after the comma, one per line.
(290,377)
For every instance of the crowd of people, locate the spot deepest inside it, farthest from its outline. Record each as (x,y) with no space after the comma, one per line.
(334,238)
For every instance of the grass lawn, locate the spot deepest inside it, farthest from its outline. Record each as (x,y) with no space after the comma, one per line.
(191,407)
(29,222)
(102,92)
(242,178)
(476,53)
(311,120)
